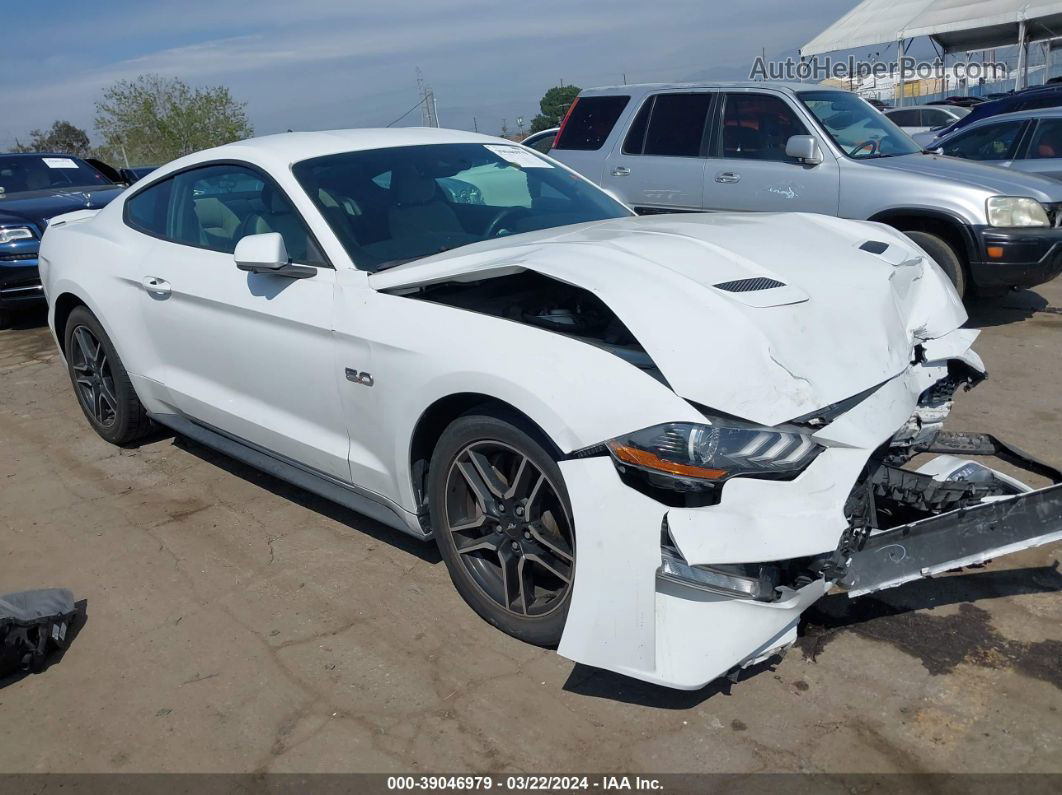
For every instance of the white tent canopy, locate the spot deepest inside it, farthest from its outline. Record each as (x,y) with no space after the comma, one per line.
(953,24)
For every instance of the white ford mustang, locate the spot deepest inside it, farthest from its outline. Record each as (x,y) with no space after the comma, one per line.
(649,441)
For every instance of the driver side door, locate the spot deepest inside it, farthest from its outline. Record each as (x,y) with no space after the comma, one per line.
(249,354)
(748,169)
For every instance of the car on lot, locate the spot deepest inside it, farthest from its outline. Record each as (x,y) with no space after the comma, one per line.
(1034,98)
(925,117)
(649,441)
(541,141)
(34,188)
(771,147)
(1029,141)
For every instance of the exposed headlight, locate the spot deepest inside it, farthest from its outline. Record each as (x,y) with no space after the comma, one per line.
(1014,211)
(12,233)
(695,455)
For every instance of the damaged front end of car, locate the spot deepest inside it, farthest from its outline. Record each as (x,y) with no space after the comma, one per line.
(757,448)
(730,583)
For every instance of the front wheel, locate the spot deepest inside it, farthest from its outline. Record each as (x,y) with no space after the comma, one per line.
(944,255)
(101,382)
(502,521)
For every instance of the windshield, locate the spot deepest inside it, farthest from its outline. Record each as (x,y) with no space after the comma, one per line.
(28,173)
(388,206)
(860,131)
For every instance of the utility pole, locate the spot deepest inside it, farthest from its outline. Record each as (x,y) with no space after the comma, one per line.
(429,112)
(475,124)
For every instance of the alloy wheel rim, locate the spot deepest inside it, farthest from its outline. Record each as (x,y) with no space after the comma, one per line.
(510,528)
(93,378)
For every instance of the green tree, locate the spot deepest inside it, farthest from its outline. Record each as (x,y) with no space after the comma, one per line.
(154,119)
(554,104)
(63,137)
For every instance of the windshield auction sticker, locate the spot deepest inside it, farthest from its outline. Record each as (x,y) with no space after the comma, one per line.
(518,156)
(59,162)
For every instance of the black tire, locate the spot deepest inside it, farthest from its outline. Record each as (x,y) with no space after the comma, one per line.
(534,544)
(101,383)
(944,255)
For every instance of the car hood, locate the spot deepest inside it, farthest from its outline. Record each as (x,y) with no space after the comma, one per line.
(841,321)
(1001,181)
(38,207)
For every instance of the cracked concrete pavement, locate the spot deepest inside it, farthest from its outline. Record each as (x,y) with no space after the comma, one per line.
(238,624)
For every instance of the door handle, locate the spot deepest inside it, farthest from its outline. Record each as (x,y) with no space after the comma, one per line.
(156,286)
(727,177)
(620,171)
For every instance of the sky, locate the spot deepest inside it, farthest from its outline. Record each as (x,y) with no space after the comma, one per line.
(323,64)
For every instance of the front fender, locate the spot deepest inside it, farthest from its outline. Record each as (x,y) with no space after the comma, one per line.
(578,394)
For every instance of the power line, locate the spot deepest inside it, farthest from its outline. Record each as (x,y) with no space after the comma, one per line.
(419,103)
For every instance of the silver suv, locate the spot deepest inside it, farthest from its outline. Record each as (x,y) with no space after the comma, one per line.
(801,147)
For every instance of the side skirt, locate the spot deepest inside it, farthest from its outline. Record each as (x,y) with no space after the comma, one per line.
(319,483)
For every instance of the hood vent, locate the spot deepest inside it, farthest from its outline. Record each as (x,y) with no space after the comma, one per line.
(749,285)
(874,247)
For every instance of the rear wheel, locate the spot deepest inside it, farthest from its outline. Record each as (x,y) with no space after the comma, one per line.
(502,521)
(944,255)
(101,383)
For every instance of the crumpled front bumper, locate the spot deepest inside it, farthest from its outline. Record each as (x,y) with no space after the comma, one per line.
(625,617)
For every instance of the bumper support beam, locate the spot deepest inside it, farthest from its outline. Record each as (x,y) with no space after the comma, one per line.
(954,539)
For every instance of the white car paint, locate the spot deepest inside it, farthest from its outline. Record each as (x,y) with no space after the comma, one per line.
(845,321)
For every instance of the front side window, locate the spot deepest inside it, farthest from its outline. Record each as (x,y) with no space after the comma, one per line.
(590,121)
(213,207)
(987,142)
(389,206)
(758,126)
(669,125)
(1047,140)
(858,130)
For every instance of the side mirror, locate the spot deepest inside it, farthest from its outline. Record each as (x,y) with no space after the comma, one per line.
(266,253)
(804,148)
(261,253)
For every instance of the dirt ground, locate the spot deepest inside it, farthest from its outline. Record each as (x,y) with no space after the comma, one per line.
(238,624)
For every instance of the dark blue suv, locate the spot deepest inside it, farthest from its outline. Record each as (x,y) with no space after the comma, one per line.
(33,189)
(1048,96)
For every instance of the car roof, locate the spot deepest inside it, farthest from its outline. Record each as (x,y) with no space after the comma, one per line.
(39,154)
(926,106)
(1018,115)
(646,87)
(284,149)
(540,134)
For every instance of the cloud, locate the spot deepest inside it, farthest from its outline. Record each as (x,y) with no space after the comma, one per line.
(317,63)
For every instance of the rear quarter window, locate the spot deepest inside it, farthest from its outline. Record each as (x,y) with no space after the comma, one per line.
(590,122)
(147,210)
